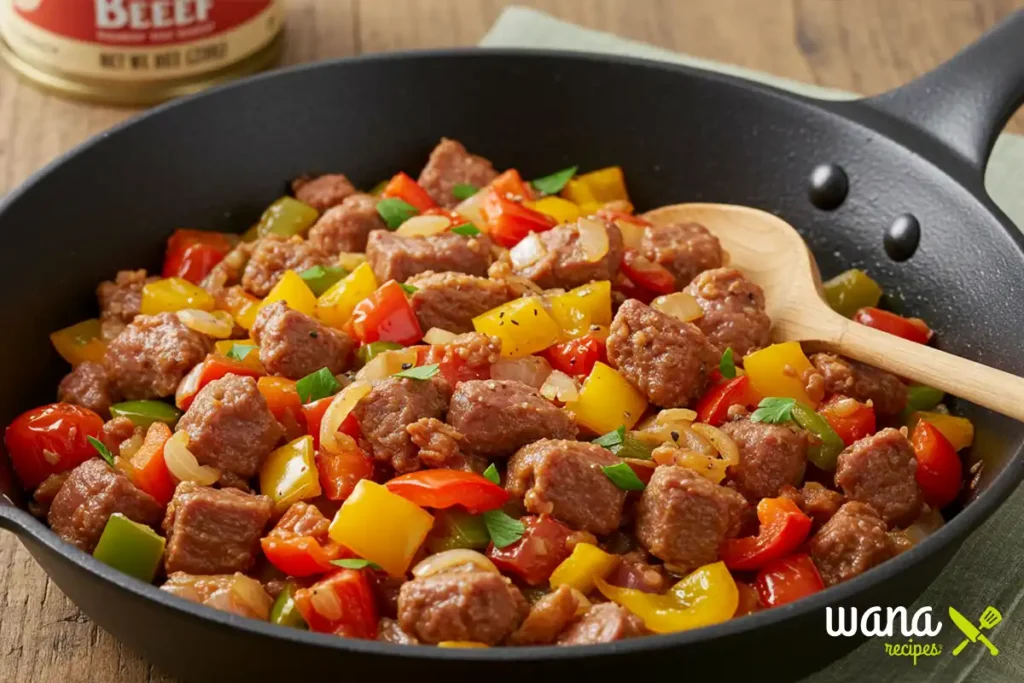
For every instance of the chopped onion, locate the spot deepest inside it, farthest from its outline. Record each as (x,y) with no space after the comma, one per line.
(459,559)
(326,602)
(435,335)
(473,208)
(632,234)
(424,226)
(530,370)
(561,387)
(926,525)
(183,466)
(529,250)
(340,407)
(251,597)
(679,305)
(671,416)
(723,443)
(593,239)
(131,445)
(707,466)
(582,602)
(218,324)
(388,363)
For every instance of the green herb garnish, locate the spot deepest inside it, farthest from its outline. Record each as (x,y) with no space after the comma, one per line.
(355,563)
(408,289)
(419,372)
(102,450)
(774,410)
(503,530)
(553,184)
(612,438)
(491,474)
(727,366)
(623,476)
(395,211)
(466,230)
(464,191)
(317,385)
(320,278)
(240,351)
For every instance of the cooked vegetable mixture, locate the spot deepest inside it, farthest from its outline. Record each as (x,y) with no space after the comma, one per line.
(468,410)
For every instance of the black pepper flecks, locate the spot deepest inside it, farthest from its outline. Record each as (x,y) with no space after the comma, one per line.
(516,323)
(675,436)
(314,334)
(406,366)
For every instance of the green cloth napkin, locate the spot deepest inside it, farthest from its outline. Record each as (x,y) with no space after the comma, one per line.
(988,569)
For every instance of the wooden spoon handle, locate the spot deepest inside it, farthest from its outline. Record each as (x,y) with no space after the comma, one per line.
(993,389)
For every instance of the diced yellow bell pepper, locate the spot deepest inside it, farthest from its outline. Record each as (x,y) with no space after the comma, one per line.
(350,260)
(289,474)
(706,596)
(607,401)
(381,527)
(252,234)
(242,306)
(579,309)
(174,294)
(959,430)
(294,291)
(593,190)
(287,216)
(523,325)
(461,643)
(335,306)
(80,342)
(562,210)
(587,562)
(777,370)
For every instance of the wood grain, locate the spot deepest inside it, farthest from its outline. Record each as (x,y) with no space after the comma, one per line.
(862,45)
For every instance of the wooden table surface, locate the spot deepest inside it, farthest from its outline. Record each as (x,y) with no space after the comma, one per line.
(860,45)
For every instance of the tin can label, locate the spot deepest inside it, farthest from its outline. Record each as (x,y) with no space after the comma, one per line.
(138,40)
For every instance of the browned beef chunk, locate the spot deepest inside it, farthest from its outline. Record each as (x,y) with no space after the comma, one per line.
(441,446)
(685,249)
(92,493)
(498,417)
(566,264)
(45,493)
(734,316)
(222,592)
(603,623)
(665,358)
(480,606)
(636,572)
(564,479)
(816,500)
(682,517)
(302,519)
(450,301)
(394,404)
(324,191)
(152,355)
(230,426)
(880,470)
(214,531)
(89,386)
(394,257)
(294,345)
(346,226)
(228,273)
(120,301)
(862,382)
(388,631)
(273,255)
(547,618)
(771,456)
(849,544)
(450,165)
(115,432)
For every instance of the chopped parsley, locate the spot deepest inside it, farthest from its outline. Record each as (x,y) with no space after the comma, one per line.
(503,530)
(727,366)
(774,409)
(102,450)
(419,372)
(491,474)
(240,351)
(553,184)
(623,476)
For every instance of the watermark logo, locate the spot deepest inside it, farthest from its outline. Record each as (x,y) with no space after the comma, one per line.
(893,622)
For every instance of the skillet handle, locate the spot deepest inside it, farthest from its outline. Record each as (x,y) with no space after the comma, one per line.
(965,102)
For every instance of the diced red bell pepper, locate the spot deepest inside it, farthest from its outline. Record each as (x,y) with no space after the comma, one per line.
(850,419)
(49,440)
(647,274)
(783,529)
(713,406)
(939,470)
(349,611)
(340,472)
(610,215)
(787,579)
(911,329)
(533,557)
(577,357)
(624,285)
(283,399)
(149,470)
(386,315)
(401,186)
(213,368)
(192,254)
(445,488)
(510,185)
(508,221)
(299,555)
(451,366)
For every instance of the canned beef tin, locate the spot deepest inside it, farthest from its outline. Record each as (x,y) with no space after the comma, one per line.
(138,51)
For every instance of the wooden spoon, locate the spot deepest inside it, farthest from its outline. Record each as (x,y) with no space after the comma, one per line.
(770,252)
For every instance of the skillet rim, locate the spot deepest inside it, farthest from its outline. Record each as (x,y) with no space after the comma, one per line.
(849,112)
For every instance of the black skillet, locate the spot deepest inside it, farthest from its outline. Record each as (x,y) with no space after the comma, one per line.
(682,135)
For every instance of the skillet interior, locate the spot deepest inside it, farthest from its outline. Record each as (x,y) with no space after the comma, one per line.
(215,161)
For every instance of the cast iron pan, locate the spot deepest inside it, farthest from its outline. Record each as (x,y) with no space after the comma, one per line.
(216,160)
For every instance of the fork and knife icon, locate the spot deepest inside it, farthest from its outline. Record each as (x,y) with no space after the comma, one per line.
(989,618)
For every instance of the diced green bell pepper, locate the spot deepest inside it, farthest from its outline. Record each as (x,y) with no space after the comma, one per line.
(130,547)
(850,291)
(828,447)
(321,278)
(284,612)
(920,397)
(145,413)
(632,447)
(457,529)
(368,352)
(287,216)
